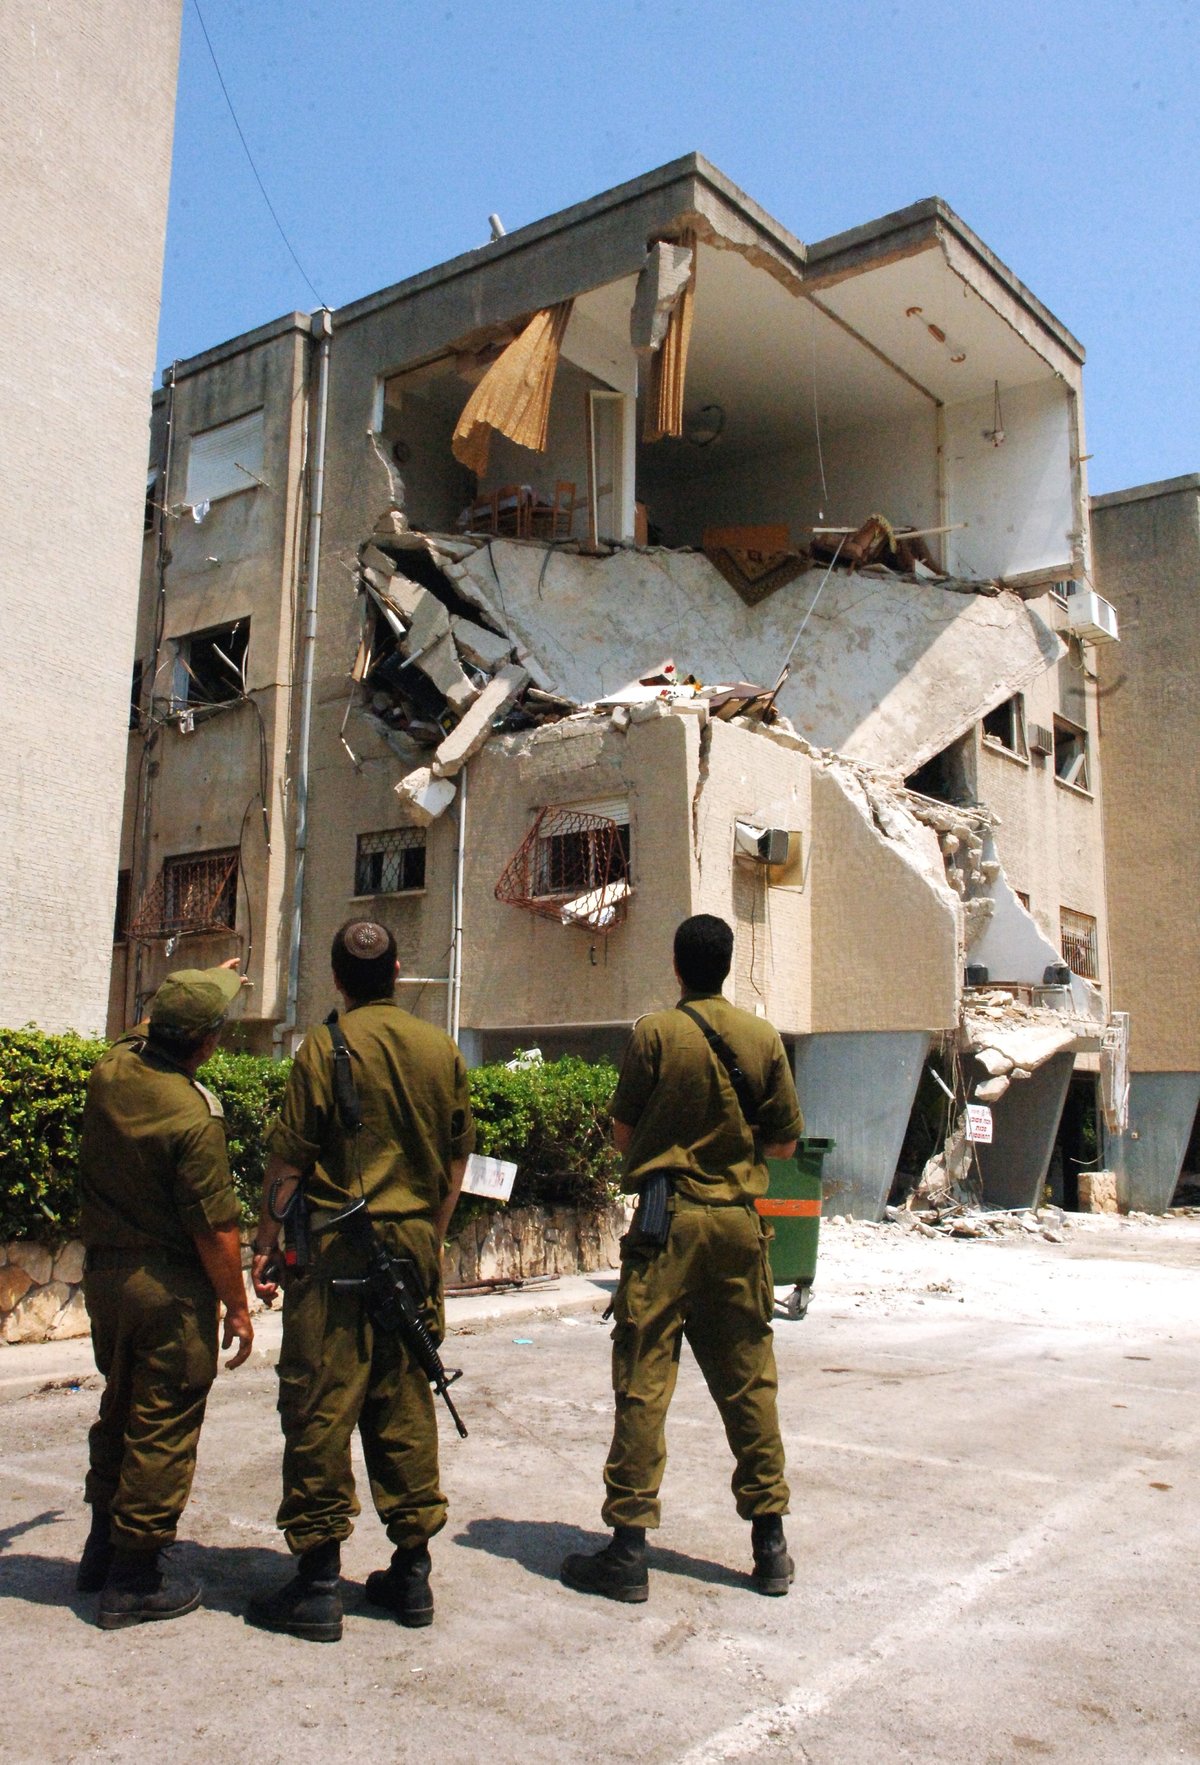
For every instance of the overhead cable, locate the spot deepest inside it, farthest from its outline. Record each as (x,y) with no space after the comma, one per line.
(250,158)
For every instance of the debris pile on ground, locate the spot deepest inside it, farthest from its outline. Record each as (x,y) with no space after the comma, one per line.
(952,1219)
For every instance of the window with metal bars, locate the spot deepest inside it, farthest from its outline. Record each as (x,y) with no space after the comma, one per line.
(195,892)
(1080,945)
(580,851)
(391,862)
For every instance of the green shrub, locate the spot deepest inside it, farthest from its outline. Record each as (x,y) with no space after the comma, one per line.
(42,1081)
(551,1120)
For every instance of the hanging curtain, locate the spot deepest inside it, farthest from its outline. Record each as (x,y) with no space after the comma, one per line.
(664,396)
(514,395)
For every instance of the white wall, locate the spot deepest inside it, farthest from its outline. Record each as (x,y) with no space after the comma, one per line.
(886,468)
(87,98)
(1016,498)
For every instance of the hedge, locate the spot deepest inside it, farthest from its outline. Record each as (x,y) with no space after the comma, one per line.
(551,1120)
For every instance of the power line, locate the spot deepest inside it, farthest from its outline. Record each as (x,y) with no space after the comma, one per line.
(250,157)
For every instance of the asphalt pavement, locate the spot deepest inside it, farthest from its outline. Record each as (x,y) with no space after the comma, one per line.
(992,1449)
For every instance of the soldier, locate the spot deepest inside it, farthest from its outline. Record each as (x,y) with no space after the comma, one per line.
(677,1116)
(159,1218)
(336,1371)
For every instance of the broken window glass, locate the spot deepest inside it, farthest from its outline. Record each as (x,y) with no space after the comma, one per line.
(1005,726)
(391,862)
(1071,753)
(210,666)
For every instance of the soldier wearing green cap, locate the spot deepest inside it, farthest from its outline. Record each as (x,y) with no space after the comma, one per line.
(159,1219)
(337,1371)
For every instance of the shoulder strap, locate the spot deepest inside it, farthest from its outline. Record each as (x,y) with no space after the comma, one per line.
(345,1092)
(729,1060)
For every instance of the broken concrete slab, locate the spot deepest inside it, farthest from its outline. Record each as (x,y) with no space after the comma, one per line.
(476,726)
(425,616)
(427,797)
(372,558)
(889,671)
(485,648)
(439,663)
(662,280)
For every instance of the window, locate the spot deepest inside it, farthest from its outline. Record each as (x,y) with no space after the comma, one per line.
(121,916)
(195,892)
(210,666)
(224,460)
(1079,943)
(135,695)
(390,863)
(1071,753)
(151,500)
(577,850)
(1023,898)
(1005,726)
(1062,591)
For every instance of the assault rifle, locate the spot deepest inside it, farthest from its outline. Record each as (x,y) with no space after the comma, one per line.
(392,1298)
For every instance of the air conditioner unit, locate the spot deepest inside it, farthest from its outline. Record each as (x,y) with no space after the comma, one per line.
(766,845)
(1089,615)
(1040,739)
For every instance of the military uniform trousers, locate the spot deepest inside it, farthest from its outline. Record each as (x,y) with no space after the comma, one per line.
(336,1373)
(711,1284)
(154,1336)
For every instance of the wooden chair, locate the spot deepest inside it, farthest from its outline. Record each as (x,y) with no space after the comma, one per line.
(555,519)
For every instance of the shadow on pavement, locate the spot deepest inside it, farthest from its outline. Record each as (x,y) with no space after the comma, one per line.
(541,1545)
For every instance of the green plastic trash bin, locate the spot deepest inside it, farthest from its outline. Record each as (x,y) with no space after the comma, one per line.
(792,1206)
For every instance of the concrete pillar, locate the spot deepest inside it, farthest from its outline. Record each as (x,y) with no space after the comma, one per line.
(1148,1157)
(857,1088)
(1024,1124)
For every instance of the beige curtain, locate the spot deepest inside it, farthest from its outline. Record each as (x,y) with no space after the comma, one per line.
(514,394)
(664,396)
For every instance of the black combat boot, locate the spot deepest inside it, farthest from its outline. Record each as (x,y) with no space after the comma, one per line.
(310,1604)
(144,1587)
(618,1571)
(97,1557)
(774,1570)
(404,1588)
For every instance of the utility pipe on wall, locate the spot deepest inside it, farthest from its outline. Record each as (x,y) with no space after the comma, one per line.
(322,328)
(454,997)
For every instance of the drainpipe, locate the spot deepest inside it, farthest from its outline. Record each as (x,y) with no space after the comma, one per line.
(140,876)
(322,329)
(454,995)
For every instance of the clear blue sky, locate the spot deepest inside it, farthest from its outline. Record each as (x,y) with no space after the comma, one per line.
(1066,134)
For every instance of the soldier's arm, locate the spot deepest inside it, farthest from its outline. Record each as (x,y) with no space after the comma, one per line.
(220,1250)
(279,1181)
(445,1213)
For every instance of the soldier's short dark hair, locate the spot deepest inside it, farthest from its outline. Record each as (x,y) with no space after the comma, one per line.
(703,952)
(364,959)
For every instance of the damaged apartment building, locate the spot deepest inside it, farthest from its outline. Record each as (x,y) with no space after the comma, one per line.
(642,562)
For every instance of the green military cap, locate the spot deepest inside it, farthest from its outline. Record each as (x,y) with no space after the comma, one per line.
(193,1000)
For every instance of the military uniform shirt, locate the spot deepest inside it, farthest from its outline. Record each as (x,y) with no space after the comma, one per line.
(676,1096)
(412,1086)
(153,1165)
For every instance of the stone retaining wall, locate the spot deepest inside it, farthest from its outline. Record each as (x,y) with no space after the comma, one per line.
(41,1296)
(41,1292)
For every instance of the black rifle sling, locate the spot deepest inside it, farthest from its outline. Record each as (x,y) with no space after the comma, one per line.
(741,1085)
(345,1092)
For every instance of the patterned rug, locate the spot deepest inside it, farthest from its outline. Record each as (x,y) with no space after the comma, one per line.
(756,574)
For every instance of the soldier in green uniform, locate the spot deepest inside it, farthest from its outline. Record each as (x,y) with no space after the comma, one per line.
(336,1371)
(676,1112)
(159,1218)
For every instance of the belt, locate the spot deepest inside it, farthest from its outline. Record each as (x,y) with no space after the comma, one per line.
(110,1256)
(687,1202)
